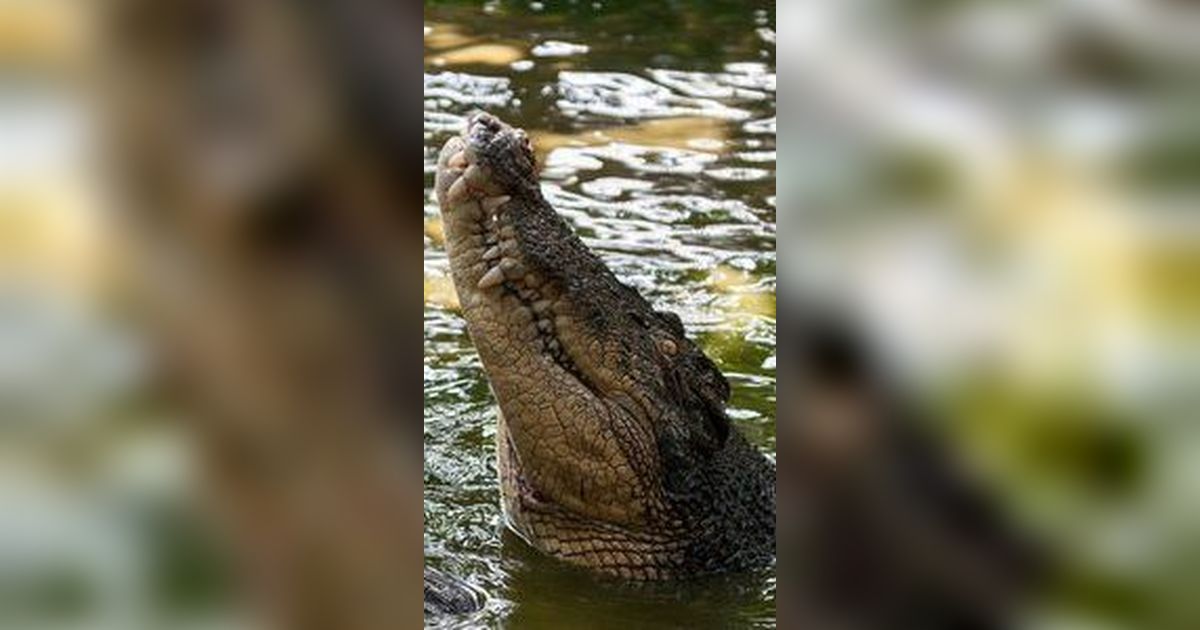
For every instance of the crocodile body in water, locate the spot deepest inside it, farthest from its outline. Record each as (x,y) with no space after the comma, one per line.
(615,451)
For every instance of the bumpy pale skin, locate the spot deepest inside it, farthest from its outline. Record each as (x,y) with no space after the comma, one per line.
(615,451)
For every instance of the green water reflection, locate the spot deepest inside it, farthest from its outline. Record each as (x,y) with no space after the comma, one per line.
(655,124)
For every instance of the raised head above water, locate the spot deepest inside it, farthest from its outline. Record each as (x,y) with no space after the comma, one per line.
(615,451)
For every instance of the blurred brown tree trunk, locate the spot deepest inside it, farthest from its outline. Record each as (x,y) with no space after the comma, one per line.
(271,246)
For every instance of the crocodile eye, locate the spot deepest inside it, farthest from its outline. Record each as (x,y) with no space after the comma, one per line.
(668,347)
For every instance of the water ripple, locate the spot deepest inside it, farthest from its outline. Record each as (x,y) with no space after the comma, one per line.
(625,96)
(667,172)
(445,88)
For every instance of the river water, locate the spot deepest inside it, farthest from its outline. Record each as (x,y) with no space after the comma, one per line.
(654,125)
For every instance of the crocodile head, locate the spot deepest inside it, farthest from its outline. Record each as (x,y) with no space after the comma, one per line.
(615,451)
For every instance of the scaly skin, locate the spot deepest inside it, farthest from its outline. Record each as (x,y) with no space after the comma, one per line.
(615,452)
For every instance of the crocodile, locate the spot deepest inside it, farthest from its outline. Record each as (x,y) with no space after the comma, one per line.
(614,448)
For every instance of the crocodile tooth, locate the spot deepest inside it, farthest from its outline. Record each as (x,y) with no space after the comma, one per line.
(508,231)
(533,280)
(458,160)
(492,253)
(459,192)
(493,277)
(491,204)
(541,306)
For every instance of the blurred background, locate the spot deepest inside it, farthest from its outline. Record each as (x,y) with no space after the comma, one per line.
(206,420)
(1003,194)
(95,476)
(200,203)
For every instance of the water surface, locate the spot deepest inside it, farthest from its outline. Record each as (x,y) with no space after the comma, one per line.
(654,124)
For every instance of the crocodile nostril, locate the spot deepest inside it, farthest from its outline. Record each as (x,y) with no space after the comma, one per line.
(485,120)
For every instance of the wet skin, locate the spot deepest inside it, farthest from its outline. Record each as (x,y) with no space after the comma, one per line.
(614,448)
